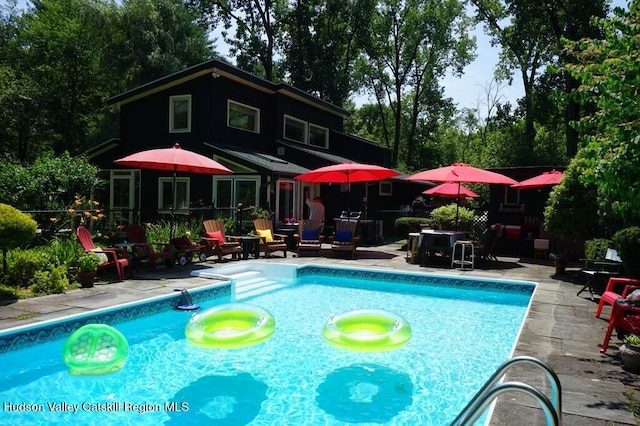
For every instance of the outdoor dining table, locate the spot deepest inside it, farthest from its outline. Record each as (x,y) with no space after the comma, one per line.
(433,241)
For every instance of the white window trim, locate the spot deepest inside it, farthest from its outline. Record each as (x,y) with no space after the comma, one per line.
(304,123)
(257,111)
(172,100)
(326,135)
(170,180)
(233,179)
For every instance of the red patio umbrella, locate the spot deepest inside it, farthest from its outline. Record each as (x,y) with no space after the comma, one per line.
(550,178)
(347,172)
(174,159)
(451,190)
(461,172)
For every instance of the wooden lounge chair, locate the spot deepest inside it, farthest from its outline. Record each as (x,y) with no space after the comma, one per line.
(109,257)
(144,250)
(308,239)
(217,242)
(269,241)
(344,238)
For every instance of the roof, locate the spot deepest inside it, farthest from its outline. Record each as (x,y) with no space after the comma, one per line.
(226,70)
(263,161)
(331,158)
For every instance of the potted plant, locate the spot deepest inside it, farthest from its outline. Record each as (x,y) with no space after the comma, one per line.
(559,261)
(630,353)
(87,264)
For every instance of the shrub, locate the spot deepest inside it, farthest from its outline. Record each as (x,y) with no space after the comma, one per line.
(53,281)
(445,217)
(627,242)
(17,229)
(23,264)
(597,248)
(404,225)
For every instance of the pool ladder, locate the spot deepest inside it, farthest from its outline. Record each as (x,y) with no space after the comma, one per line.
(492,389)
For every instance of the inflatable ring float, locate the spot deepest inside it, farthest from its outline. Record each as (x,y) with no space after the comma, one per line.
(230,326)
(95,349)
(368,330)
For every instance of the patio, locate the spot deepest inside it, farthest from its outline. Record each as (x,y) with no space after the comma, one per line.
(561,329)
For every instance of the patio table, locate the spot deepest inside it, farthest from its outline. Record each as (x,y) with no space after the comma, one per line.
(433,241)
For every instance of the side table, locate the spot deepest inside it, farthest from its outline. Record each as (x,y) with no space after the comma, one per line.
(250,244)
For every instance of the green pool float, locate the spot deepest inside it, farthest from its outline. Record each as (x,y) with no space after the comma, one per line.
(230,326)
(95,349)
(367,330)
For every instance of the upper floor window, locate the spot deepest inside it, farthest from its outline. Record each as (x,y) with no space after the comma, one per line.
(295,130)
(243,117)
(318,136)
(180,114)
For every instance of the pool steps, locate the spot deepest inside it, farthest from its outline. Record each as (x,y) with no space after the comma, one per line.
(253,283)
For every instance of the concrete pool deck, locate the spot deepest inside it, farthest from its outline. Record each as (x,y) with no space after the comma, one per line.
(560,329)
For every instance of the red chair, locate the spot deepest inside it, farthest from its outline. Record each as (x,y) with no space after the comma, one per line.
(610,294)
(113,257)
(625,315)
(144,249)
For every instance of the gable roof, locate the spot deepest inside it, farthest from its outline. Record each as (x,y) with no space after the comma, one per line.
(216,67)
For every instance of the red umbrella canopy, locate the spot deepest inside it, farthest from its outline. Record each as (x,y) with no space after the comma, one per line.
(451,190)
(346,173)
(549,178)
(174,159)
(461,172)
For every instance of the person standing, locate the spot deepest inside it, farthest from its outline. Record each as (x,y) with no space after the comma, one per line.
(316,212)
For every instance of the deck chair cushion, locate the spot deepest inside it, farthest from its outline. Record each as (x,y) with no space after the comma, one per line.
(634,295)
(344,236)
(266,234)
(217,235)
(309,235)
(102,256)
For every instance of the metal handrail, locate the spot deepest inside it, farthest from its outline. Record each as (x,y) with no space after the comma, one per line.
(489,391)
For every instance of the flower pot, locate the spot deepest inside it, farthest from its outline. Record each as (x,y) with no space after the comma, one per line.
(560,267)
(630,357)
(86,279)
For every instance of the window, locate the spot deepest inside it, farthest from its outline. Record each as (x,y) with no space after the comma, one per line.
(180,114)
(229,191)
(165,193)
(295,130)
(318,136)
(243,117)
(385,188)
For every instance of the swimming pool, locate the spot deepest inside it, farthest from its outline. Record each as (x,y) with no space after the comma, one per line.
(462,330)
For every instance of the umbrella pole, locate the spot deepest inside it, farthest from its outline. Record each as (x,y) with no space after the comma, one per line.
(457,205)
(173,206)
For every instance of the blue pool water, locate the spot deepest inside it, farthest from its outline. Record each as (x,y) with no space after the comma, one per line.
(462,331)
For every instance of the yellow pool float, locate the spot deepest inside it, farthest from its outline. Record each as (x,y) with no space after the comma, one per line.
(95,349)
(370,330)
(230,326)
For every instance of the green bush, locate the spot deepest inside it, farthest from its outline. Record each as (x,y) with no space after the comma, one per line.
(53,281)
(17,229)
(597,248)
(627,242)
(445,217)
(404,225)
(23,265)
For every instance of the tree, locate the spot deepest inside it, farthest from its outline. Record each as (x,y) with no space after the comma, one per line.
(154,38)
(321,43)
(609,74)
(257,25)
(416,42)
